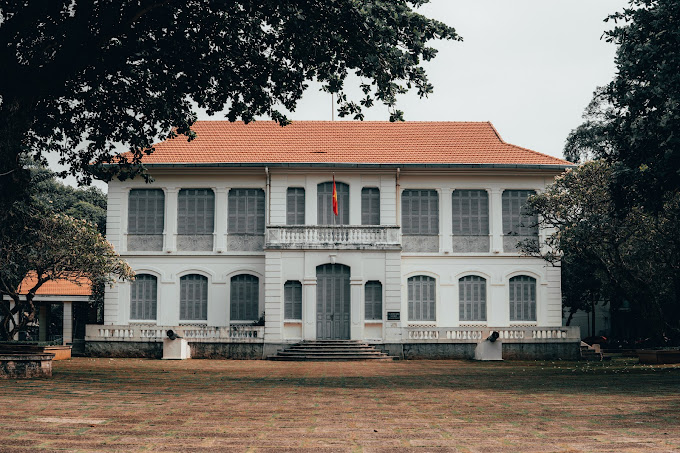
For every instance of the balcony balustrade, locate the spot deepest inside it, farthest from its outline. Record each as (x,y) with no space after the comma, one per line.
(351,237)
(236,333)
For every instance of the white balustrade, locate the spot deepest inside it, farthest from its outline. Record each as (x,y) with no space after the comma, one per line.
(515,334)
(335,236)
(234,333)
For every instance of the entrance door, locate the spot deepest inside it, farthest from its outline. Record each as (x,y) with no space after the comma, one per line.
(332,302)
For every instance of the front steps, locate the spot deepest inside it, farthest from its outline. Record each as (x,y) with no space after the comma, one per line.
(330,350)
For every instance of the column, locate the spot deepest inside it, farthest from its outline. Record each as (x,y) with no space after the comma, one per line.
(445,222)
(309,307)
(496,220)
(68,323)
(356,329)
(42,321)
(170,232)
(273,300)
(221,219)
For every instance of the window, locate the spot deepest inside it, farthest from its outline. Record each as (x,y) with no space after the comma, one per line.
(193,298)
(292,299)
(515,220)
(420,212)
(143,297)
(246,211)
(373,300)
(370,206)
(325,215)
(295,206)
(146,211)
(472,298)
(195,211)
(421,298)
(245,297)
(470,212)
(522,298)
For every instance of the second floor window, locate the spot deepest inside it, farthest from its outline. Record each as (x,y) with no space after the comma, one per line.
(146,211)
(245,211)
(325,215)
(470,212)
(195,211)
(516,222)
(370,206)
(295,206)
(420,212)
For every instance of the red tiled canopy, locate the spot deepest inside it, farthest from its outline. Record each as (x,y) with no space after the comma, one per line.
(368,142)
(57,287)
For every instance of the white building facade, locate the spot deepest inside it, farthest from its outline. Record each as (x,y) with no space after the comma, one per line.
(236,246)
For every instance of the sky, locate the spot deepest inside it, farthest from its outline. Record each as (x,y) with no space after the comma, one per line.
(528,66)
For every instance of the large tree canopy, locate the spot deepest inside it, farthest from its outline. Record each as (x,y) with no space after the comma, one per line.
(81,77)
(609,256)
(634,121)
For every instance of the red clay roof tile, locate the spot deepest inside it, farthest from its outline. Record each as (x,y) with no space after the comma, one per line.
(57,287)
(372,142)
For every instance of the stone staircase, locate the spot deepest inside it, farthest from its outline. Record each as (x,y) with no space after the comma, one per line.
(329,350)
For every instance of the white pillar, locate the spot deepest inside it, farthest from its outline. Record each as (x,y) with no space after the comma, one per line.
(445,219)
(221,219)
(309,308)
(496,220)
(170,232)
(68,323)
(356,330)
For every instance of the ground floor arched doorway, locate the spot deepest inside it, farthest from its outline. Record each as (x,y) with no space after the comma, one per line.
(332,302)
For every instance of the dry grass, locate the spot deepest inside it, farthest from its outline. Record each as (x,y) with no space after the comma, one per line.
(129,404)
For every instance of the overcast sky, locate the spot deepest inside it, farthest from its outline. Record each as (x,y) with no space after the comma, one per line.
(528,66)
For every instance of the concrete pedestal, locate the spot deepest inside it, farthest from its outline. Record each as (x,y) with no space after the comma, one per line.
(177,349)
(487,350)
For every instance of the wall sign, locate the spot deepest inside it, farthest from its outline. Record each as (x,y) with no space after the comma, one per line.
(393,315)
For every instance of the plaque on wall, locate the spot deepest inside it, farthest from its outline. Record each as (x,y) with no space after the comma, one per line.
(393,315)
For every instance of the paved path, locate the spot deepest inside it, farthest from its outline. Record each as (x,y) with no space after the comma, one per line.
(130,404)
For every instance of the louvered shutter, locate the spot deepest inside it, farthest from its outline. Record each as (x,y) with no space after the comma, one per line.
(470,209)
(472,298)
(522,298)
(325,215)
(143,294)
(295,206)
(146,211)
(422,298)
(195,211)
(244,298)
(370,206)
(420,212)
(373,300)
(292,292)
(193,303)
(515,218)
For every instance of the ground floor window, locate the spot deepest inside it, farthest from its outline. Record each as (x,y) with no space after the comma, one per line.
(193,298)
(522,298)
(143,296)
(245,297)
(292,297)
(472,298)
(421,298)
(373,300)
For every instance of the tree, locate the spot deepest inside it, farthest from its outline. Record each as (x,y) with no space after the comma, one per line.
(610,256)
(634,121)
(83,77)
(48,246)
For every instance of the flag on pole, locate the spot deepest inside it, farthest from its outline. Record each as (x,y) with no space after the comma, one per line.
(335,198)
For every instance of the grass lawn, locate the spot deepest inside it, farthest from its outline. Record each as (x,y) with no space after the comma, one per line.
(135,404)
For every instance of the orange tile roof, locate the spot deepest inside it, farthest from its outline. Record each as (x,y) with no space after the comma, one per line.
(57,287)
(368,142)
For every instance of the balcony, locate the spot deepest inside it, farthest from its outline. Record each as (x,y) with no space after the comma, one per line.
(343,237)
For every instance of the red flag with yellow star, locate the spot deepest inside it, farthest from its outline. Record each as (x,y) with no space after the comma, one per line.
(335,198)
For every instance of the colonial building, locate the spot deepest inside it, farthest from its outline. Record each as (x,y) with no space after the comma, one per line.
(237,247)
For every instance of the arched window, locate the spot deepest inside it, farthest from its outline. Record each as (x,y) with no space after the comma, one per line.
(522,298)
(421,298)
(143,297)
(292,300)
(373,300)
(193,298)
(245,297)
(370,206)
(325,215)
(472,298)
